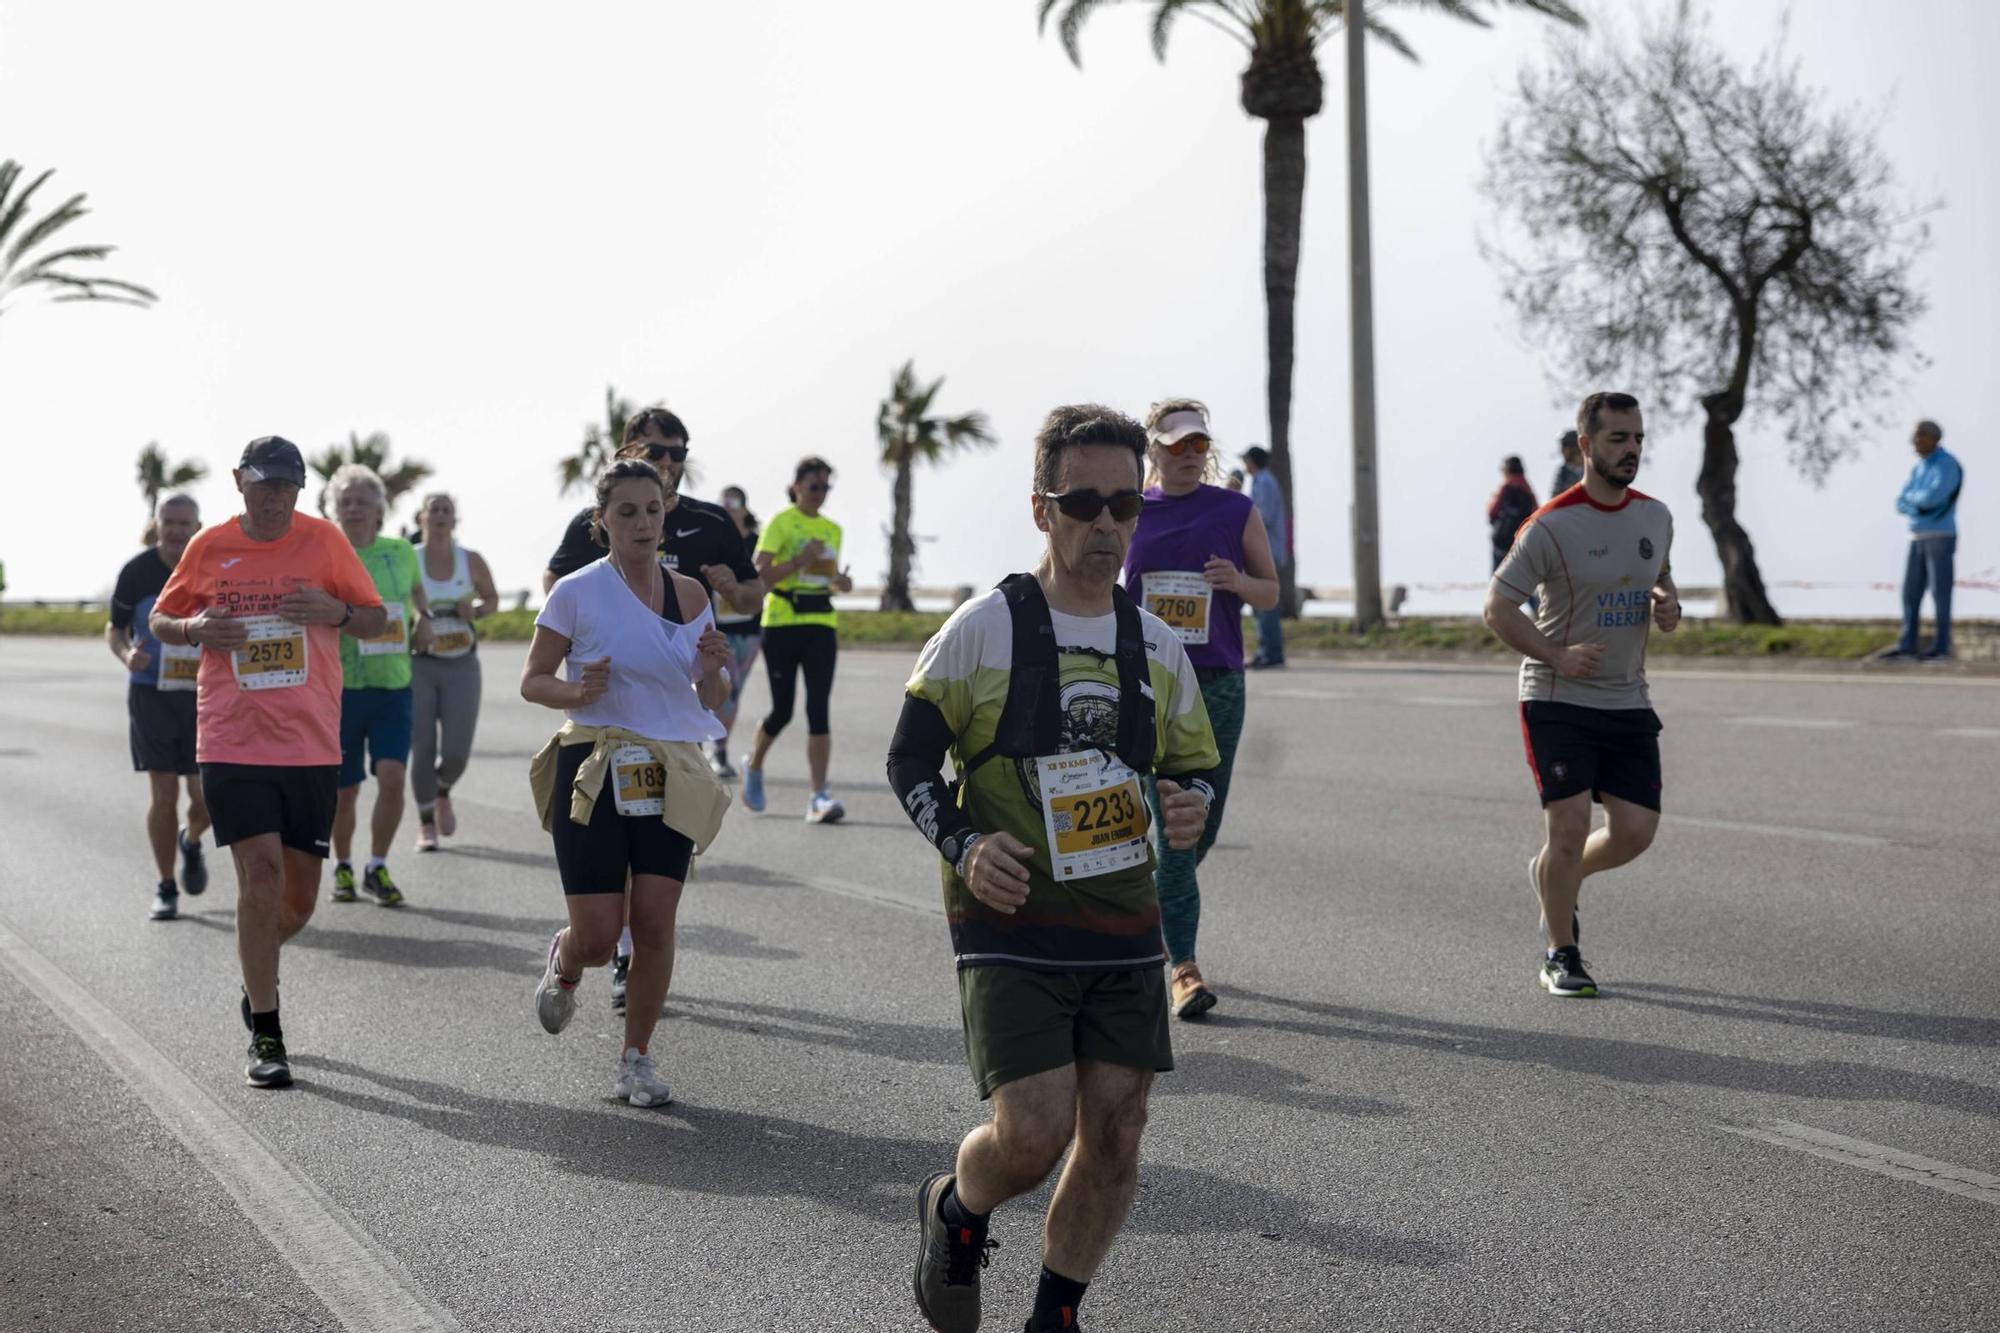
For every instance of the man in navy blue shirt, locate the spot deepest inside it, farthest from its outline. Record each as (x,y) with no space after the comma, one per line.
(1930,501)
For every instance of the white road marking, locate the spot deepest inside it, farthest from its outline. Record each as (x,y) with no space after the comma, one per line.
(1782,831)
(1802,723)
(847,888)
(1976,733)
(358,1280)
(1865,1156)
(1440,701)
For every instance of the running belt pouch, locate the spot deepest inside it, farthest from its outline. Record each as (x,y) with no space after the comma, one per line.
(807,603)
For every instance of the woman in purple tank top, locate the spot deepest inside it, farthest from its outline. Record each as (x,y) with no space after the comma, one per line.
(1200,555)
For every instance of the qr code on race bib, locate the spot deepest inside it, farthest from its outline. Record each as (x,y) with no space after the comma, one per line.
(1064,822)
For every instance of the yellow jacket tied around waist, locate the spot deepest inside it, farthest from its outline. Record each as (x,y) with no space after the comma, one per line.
(695,800)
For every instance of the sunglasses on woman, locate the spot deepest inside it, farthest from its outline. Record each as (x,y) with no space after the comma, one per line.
(1085,506)
(1199,443)
(677,452)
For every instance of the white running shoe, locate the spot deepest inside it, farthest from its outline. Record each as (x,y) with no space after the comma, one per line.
(427,837)
(555,999)
(447,818)
(638,1081)
(823,809)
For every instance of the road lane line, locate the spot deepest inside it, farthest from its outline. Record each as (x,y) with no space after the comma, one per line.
(847,888)
(358,1280)
(1800,723)
(1783,831)
(1976,733)
(1865,1156)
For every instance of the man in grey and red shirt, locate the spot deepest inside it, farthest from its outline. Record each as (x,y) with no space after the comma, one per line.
(1597,557)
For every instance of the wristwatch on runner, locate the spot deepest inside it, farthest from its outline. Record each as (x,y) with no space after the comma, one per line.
(957,847)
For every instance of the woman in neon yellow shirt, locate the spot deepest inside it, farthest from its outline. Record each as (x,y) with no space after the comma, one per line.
(798,557)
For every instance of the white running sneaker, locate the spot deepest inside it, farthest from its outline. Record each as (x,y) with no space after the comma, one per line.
(447,817)
(823,809)
(638,1081)
(427,837)
(555,999)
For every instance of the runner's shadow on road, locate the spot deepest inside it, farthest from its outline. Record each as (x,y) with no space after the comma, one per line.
(1643,1063)
(475,852)
(729,1153)
(1950,1029)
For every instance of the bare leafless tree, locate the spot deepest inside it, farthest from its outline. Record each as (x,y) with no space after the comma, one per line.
(1705,233)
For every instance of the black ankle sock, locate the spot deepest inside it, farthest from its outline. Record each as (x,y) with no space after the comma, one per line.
(1056,1299)
(957,1215)
(265,1025)
(168,887)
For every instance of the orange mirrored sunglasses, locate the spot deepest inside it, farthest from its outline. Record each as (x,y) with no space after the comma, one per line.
(1198,443)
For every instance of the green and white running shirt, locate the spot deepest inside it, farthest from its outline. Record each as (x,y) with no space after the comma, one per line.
(1090,919)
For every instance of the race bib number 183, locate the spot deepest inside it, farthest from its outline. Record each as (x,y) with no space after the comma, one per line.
(639,781)
(1093,813)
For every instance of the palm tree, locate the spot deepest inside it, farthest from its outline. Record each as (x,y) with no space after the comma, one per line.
(600,446)
(22,269)
(1281,86)
(907,435)
(157,475)
(371,451)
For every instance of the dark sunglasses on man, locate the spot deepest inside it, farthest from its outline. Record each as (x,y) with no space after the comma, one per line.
(816,487)
(677,452)
(1085,506)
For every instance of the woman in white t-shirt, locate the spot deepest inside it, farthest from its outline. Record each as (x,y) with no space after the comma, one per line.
(629,651)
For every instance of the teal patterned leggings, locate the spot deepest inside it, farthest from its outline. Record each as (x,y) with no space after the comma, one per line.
(1180,891)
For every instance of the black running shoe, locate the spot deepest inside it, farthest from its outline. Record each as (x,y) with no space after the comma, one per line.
(377,885)
(194,866)
(268,1067)
(166,902)
(621,973)
(1563,974)
(949,1260)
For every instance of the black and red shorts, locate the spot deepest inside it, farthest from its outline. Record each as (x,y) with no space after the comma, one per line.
(1603,751)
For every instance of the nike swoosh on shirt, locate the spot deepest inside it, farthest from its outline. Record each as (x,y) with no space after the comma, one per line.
(686,532)
(231,561)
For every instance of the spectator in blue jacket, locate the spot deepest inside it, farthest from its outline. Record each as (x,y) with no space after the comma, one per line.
(1930,500)
(1270,504)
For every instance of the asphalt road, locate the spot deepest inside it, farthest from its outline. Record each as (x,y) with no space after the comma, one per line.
(1781,1114)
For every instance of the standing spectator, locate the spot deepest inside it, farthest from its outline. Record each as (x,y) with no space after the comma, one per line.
(1269,502)
(1236,479)
(1930,499)
(1510,506)
(1571,471)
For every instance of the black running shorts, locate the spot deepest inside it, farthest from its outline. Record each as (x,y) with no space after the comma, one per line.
(162,730)
(596,857)
(1603,751)
(296,803)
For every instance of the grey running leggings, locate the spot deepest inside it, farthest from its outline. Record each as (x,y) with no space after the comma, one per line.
(445,698)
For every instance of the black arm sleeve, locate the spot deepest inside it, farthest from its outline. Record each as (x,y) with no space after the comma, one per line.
(741,550)
(125,599)
(916,771)
(576,548)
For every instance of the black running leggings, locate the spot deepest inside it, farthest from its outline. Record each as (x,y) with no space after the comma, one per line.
(787,648)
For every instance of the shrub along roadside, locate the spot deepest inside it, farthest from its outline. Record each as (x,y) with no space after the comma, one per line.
(1832,640)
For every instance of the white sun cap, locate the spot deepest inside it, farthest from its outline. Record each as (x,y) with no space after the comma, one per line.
(1177,426)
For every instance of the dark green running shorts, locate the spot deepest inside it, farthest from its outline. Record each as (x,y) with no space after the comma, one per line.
(1019,1022)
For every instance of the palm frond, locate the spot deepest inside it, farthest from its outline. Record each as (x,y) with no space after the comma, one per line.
(1389,37)
(21,268)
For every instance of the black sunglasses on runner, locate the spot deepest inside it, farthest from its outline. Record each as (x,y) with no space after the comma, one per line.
(677,452)
(1085,506)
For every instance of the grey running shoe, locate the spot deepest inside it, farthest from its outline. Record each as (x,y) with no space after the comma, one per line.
(377,885)
(555,999)
(639,1082)
(949,1261)
(1563,975)
(166,902)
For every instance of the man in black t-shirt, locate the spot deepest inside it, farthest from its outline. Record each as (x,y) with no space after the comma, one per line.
(697,539)
(159,700)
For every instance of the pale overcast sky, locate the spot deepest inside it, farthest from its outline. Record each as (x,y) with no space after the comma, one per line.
(457,223)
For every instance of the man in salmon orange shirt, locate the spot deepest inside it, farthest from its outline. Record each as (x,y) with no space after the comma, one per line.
(267,597)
